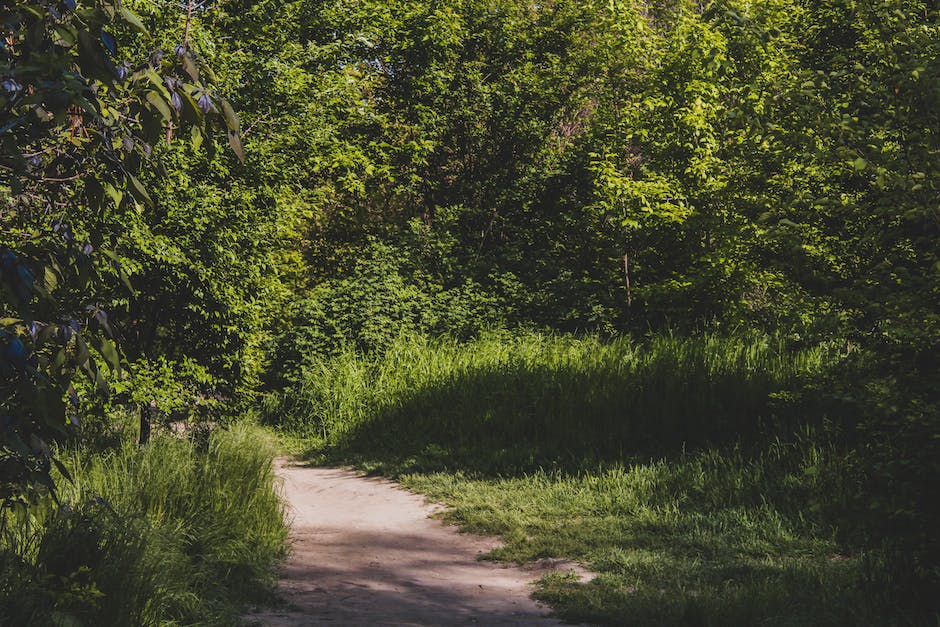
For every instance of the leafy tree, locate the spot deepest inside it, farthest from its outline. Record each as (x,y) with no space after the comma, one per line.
(628,165)
(76,128)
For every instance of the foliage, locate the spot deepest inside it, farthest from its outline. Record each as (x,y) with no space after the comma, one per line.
(165,534)
(717,149)
(416,168)
(75,129)
(637,165)
(383,297)
(179,390)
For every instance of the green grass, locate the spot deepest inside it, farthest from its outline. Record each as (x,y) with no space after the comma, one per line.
(706,539)
(508,403)
(170,533)
(681,470)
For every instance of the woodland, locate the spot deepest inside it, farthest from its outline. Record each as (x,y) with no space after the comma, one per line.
(653,285)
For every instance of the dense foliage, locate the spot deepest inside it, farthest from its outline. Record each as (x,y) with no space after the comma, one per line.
(633,165)
(76,125)
(403,167)
(91,101)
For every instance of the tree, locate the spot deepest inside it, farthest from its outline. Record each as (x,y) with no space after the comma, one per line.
(76,128)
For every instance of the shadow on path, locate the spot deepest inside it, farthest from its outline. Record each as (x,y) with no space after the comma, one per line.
(366,552)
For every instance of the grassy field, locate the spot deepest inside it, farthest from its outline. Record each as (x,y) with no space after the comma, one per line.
(508,403)
(681,470)
(171,533)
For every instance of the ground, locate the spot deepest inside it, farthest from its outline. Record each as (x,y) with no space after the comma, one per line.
(365,551)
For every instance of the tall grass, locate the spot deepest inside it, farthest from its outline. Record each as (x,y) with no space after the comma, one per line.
(169,533)
(519,401)
(696,476)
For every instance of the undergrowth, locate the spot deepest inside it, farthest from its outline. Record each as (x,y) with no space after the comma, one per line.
(506,403)
(687,472)
(174,532)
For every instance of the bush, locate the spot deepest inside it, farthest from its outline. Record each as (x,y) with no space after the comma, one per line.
(383,297)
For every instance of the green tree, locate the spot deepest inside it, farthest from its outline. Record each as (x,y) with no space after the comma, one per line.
(76,128)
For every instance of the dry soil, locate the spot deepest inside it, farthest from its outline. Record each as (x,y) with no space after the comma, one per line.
(366,552)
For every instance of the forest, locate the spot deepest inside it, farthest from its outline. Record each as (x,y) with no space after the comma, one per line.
(653,285)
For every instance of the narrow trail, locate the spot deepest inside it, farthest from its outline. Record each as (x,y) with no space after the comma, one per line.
(365,552)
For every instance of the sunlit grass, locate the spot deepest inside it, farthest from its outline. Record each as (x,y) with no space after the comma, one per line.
(510,402)
(703,539)
(169,533)
(682,470)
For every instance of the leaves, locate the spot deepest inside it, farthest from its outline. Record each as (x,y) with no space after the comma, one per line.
(76,131)
(131,18)
(138,190)
(236,145)
(108,350)
(231,118)
(156,100)
(109,42)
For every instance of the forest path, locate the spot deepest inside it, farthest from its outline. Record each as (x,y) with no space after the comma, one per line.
(365,552)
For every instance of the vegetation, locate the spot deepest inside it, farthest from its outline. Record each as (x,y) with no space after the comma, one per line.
(682,470)
(503,248)
(74,129)
(707,538)
(517,402)
(171,533)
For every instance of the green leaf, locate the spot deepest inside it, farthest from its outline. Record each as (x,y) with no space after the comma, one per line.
(108,350)
(50,278)
(196,136)
(139,191)
(60,357)
(101,383)
(158,103)
(236,143)
(67,35)
(155,80)
(119,267)
(116,195)
(131,18)
(189,66)
(82,355)
(231,118)
(62,469)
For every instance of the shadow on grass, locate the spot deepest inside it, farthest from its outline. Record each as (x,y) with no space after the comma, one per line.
(685,473)
(519,418)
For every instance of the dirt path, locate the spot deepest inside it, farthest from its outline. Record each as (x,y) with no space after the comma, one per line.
(366,553)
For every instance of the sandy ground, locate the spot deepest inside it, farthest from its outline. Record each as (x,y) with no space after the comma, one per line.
(365,552)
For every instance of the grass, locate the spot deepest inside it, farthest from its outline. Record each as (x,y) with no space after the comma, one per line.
(170,533)
(508,403)
(707,539)
(681,470)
